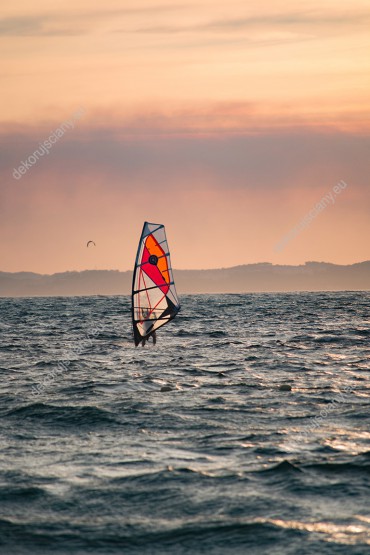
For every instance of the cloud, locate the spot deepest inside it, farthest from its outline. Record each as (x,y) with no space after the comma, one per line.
(34,26)
(71,23)
(292,18)
(307,19)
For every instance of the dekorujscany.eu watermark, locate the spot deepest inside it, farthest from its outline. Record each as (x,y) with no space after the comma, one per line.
(325,201)
(45,147)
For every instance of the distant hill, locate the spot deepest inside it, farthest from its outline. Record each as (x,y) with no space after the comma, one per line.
(312,276)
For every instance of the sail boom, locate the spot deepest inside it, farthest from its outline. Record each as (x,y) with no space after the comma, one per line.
(149,288)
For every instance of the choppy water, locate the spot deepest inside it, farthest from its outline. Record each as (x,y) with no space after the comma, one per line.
(95,458)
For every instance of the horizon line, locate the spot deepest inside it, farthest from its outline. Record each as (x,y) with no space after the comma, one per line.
(190,269)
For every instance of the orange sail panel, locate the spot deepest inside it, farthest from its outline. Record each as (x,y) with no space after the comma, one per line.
(154,297)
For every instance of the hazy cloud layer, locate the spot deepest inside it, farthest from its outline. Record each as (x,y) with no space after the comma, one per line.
(266,160)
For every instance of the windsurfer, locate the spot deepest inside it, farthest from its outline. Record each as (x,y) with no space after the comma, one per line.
(153,335)
(146,314)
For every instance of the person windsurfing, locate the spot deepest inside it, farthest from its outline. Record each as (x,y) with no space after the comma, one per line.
(147,316)
(153,335)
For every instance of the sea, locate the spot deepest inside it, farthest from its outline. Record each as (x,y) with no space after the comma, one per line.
(245,429)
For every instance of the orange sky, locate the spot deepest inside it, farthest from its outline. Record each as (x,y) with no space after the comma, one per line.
(227,123)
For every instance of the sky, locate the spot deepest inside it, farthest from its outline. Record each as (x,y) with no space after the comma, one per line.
(229,123)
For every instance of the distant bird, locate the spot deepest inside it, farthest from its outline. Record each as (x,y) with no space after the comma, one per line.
(92,242)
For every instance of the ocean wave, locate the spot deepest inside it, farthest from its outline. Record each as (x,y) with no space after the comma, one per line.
(46,413)
(341,468)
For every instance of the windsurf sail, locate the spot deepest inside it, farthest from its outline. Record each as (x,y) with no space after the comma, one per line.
(154,297)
